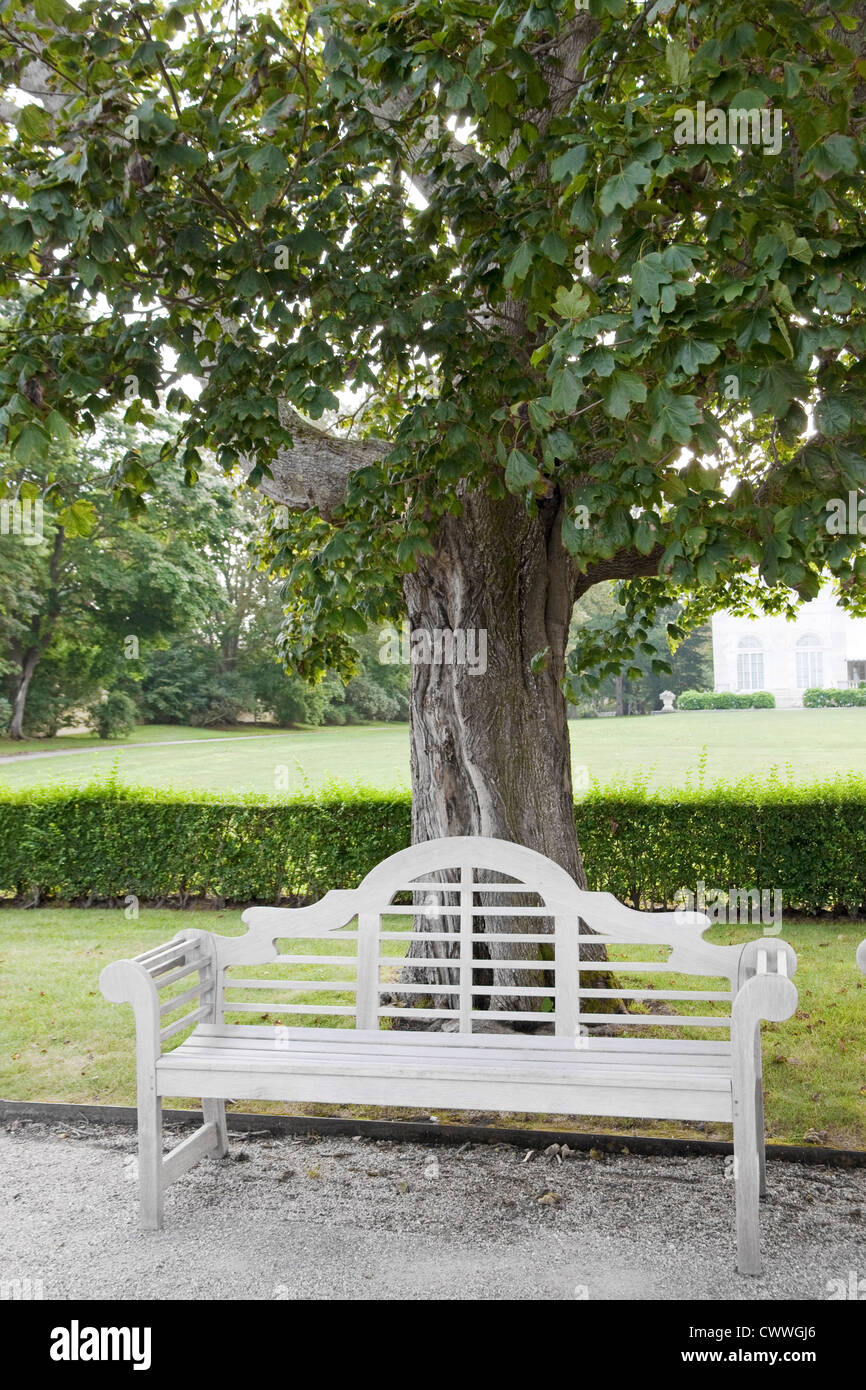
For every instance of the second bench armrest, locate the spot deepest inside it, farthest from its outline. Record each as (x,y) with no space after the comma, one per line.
(139,980)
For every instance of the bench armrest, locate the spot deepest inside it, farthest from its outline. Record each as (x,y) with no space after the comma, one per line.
(773,997)
(767,955)
(138,982)
(861,956)
(321,918)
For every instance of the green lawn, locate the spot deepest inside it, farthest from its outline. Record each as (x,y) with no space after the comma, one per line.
(666,751)
(280,760)
(60,1040)
(144,733)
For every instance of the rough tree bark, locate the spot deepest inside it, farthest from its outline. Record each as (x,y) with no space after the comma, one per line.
(28,654)
(26,662)
(490,752)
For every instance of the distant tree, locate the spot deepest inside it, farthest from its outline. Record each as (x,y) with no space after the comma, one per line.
(657,663)
(100,585)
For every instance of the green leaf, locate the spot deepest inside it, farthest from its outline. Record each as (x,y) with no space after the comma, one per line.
(78,519)
(568,164)
(648,275)
(34,123)
(518,266)
(645,534)
(620,392)
(565,392)
(310,242)
(694,354)
(623,190)
(834,155)
(51,11)
(268,159)
(749,98)
(781,295)
(779,385)
(186,156)
(458,94)
(832,416)
(573,303)
(677,63)
(520,471)
(673,416)
(554,248)
(31,444)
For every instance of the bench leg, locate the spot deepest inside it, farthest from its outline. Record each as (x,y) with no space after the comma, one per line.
(747,1181)
(214,1112)
(759,1121)
(150,1175)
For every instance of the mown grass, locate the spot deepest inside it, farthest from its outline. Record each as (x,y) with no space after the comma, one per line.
(714,746)
(61,1040)
(142,733)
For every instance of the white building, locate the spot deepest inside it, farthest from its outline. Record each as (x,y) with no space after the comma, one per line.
(822,646)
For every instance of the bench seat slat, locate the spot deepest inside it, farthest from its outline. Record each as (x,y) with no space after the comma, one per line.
(586,1073)
(614,1064)
(567,1081)
(252,1034)
(562,1064)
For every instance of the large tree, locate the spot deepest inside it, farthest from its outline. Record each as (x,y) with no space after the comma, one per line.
(561,343)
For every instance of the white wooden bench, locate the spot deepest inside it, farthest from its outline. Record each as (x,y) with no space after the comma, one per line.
(563,1069)
(861,956)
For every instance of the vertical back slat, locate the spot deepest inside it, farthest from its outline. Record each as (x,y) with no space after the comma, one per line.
(466,957)
(567,978)
(367,996)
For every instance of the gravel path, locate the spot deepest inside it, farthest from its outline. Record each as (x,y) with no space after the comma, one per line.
(296,1217)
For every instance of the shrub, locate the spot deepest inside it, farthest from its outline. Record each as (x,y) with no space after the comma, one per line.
(114,717)
(5,714)
(105,841)
(726,699)
(226,697)
(834,699)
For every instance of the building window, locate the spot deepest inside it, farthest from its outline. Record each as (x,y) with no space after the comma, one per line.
(810,662)
(750,664)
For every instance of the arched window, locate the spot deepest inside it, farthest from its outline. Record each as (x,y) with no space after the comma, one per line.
(750,664)
(810,662)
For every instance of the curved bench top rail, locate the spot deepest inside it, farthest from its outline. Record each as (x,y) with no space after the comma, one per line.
(455,887)
(524,871)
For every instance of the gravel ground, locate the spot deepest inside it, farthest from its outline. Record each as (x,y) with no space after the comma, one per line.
(296,1217)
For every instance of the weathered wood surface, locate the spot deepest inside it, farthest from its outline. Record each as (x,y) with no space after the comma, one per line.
(559,1068)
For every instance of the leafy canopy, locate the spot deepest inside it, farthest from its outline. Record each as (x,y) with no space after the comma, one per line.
(523,278)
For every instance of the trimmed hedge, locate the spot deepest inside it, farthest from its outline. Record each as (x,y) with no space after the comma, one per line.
(106,842)
(726,699)
(834,699)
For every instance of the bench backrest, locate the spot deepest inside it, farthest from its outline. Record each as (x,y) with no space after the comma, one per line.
(456,887)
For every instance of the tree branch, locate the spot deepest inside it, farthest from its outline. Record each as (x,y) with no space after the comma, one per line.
(315,471)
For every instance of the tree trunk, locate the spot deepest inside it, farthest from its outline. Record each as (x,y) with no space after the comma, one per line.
(19,699)
(490,750)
